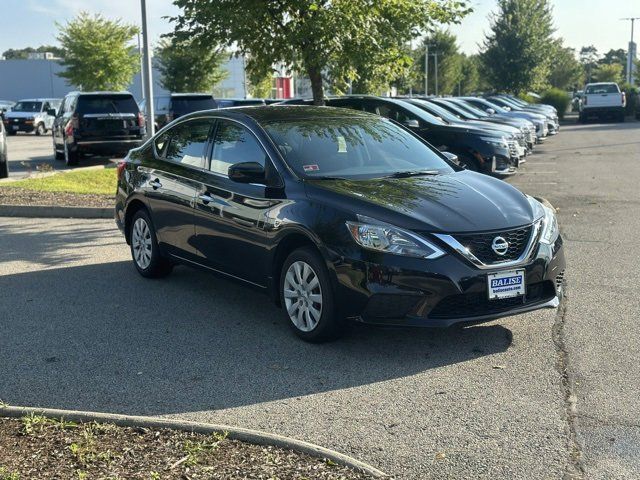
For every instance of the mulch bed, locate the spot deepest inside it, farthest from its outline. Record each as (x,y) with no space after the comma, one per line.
(20,196)
(35,447)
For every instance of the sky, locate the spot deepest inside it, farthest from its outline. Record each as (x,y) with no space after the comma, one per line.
(580,22)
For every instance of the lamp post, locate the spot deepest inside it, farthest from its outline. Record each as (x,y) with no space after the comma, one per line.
(631,53)
(147,84)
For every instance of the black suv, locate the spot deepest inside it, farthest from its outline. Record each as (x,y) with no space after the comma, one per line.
(105,123)
(167,108)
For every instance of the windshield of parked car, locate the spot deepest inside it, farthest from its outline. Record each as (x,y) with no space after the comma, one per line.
(600,89)
(33,107)
(468,109)
(106,104)
(437,110)
(354,148)
(184,105)
(505,101)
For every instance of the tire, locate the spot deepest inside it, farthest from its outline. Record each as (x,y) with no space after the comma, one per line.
(56,154)
(582,118)
(314,293)
(40,130)
(145,251)
(11,133)
(621,118)
(71,157)
(468,163)
(4,167)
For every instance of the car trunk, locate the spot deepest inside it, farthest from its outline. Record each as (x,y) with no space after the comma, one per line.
(108,116)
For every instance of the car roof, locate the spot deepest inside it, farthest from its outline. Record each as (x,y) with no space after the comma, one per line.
(194,94)
(37,100)
(272,113)
(101,93)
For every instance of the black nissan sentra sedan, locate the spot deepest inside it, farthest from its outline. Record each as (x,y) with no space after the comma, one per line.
(337,215)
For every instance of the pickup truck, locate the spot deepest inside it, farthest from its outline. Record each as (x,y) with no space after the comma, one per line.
(601,100)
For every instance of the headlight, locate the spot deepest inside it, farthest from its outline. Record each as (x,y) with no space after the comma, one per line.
(495,141)
(381,237)
(550,230)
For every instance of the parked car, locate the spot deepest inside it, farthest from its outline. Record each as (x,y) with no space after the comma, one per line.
(167,108)
(477,149)
(337,215)
(466,111)
(553,124)
(513,135)
(240,102)
(4,158)
(603,99)
(105,123)
(31,115)
(5,106)
(540,121)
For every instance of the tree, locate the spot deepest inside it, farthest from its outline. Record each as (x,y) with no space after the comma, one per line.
(23,53)
(338,38)
(516,53)
(566,71)
(589,61)
(97,52)
(443,48)
(470,75)
(189,66)
(609,73)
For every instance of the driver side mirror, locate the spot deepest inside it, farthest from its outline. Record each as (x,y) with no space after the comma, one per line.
(247,172)
(51,111)
(411,123)
(452,157)
(490,111)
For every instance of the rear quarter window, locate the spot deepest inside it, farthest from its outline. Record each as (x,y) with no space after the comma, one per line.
(602,89)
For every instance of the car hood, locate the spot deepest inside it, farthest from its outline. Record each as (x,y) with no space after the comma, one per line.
(468,129)
(457,202)
(22,114)
(528,115)
(493,127)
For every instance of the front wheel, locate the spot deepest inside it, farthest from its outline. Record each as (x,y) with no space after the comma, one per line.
(40,130)
(307,297)
(144,247)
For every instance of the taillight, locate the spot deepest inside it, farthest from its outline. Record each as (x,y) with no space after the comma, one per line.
(73,124)
(624,99)
(122,165)
(140,119)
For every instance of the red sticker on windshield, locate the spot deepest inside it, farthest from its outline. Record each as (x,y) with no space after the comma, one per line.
(310,168)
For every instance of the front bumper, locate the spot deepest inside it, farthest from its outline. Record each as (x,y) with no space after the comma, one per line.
(19,125)
(394,290)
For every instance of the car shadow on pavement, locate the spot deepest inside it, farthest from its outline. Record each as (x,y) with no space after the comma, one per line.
(100,337)
(48,163)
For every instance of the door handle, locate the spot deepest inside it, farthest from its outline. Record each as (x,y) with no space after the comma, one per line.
(155,184)
(206,198)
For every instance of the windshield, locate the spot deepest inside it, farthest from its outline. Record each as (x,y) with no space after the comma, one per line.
(469,109)
(486,104)
(27,107)
(506,101)
(184,105)
(438,111)
(354,148)
(600,89)
(107,104)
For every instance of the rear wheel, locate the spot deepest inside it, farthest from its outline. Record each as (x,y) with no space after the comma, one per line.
(144,247)
(56,154)
(71,157)
(307,297)
(4,167)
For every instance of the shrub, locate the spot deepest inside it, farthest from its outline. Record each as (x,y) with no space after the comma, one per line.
(631,93)
(527,98)
(557,98)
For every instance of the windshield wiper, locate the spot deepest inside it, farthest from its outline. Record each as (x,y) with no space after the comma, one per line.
(412,173)
(322,177)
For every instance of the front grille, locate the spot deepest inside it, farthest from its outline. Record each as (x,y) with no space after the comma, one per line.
(521,141)
(513,150)
(560,281)
(478,304)
(479,244)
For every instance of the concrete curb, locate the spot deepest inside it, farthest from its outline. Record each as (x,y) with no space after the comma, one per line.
(54,211)
(242,434)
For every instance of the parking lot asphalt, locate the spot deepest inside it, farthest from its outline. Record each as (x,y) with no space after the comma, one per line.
(29,154)
(80,329)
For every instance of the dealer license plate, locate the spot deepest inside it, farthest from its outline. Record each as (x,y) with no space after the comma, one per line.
(507,284)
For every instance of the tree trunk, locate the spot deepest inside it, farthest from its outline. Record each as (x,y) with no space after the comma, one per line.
(315,75)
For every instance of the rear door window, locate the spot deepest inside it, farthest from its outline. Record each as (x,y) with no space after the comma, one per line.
(107,104)
(186,142)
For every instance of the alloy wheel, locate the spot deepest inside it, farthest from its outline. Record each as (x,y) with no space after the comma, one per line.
(141,243)
(303,296)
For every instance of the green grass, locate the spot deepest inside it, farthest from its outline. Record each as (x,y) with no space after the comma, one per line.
(98,181)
